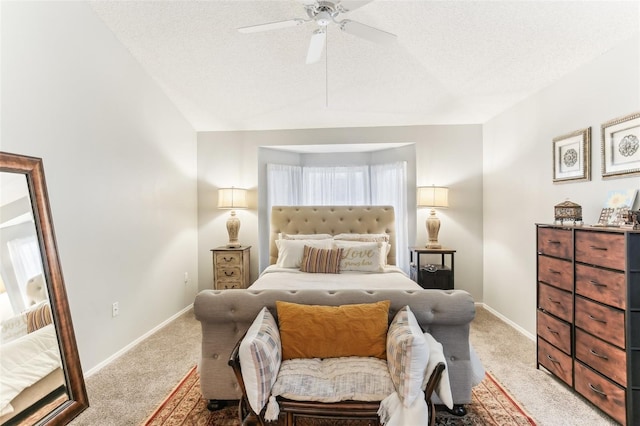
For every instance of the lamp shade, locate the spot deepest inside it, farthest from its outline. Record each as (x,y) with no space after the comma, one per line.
(433,196)
(232,198)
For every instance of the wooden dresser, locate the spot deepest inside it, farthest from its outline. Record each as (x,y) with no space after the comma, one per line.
(231,267)
(588,318)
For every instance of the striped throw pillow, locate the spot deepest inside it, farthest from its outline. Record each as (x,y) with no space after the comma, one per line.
(407,355)
(324,261)
(38,317)
(260,357)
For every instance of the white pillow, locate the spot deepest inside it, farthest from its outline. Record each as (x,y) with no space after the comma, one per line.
(361,256)
(284,236)
(260,358)
(290,251)
(363,237)
(407,355)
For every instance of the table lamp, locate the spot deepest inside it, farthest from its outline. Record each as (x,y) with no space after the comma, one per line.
(232,198)
(433,196)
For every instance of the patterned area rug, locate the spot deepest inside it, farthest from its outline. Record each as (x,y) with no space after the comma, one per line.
(491,406)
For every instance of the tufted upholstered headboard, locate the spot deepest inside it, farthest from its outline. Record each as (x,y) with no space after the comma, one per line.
(332,220)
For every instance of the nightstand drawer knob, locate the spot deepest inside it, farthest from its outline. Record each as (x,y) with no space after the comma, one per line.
(596,390)
(594,353)
(591,317)
(228,274)
(227,259)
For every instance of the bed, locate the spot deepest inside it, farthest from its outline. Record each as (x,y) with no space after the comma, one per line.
(226,314)
(30,364)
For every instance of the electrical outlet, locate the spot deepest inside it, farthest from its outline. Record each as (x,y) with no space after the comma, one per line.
(186,277)
(115,309)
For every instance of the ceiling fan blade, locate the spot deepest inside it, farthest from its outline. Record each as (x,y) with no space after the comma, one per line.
(272,25)
(316,46)
(366,32)
(349,5)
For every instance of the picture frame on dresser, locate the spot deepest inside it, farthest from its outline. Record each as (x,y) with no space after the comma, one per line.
(572,156)
(621,146)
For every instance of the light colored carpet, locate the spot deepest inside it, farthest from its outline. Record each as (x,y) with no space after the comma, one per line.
(127,391)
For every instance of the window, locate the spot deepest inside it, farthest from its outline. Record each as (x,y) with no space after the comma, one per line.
(380,184)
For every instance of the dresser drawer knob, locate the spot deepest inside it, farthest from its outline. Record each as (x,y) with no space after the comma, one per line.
(557,302)
(552,331)
(598,355)
(553,242)
(552,359)
(229,274)
(227,259)
(597,284)
(553,271)
(591,317)
(596,390)
(599,248)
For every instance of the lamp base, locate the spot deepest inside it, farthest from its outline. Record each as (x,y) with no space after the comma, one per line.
(233,226)
(433,227)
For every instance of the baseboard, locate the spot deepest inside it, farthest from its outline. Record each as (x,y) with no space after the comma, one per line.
(522,331)
(122,351)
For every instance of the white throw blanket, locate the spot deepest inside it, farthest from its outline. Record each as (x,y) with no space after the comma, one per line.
(393,412)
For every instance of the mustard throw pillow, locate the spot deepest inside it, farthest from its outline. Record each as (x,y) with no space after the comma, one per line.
(315,331)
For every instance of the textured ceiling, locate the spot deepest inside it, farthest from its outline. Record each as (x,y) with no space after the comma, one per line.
(454,62)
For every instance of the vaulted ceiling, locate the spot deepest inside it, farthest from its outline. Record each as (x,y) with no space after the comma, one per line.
(454,62)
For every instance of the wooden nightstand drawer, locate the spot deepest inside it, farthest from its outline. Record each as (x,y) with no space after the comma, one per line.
(556,272)
(556,361)
(600,248)
(601,321)
(602,356)
(229,274)
(554,331)
(227,259)
(605,394)
(601,285)
(555,242)
(555,301)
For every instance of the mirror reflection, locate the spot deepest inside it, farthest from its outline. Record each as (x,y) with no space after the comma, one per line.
(32,381)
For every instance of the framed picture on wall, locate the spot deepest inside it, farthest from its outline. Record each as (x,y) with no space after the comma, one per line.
(621,147)
(572,157)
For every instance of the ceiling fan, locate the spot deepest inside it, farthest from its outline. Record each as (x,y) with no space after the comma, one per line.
(324,13)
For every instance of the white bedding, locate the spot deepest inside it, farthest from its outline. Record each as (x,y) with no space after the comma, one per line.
(26,360)
(274,277)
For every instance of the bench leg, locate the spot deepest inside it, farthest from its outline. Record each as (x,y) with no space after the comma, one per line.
(458,410)
(216,404)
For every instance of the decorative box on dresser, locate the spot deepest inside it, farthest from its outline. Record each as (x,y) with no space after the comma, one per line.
(588,318)
(231,267)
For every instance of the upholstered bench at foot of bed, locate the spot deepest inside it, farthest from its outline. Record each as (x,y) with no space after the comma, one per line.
(301,411)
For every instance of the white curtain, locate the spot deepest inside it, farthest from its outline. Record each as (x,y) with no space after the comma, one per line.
(389,187)
(338,186)
(380,184)
(27,263)
(284,183)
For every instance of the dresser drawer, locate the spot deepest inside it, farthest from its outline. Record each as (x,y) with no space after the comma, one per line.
(601,285)
(602,357)
(556,272)
(233,273)
(555,361)
(601,249)
(601,321)
(555,242)
(554,331)
(603,393)
(227,259)
(555,301)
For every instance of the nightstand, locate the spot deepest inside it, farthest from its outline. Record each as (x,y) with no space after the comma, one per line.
(431,275)
(231,267)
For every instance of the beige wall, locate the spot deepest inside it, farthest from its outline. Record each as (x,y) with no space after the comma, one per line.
(445,155)
(518,188)
(120,164)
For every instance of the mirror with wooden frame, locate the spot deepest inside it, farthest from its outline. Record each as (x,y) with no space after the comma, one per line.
(41,380)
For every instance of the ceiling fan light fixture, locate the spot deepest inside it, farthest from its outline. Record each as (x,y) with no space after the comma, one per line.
(323,19)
